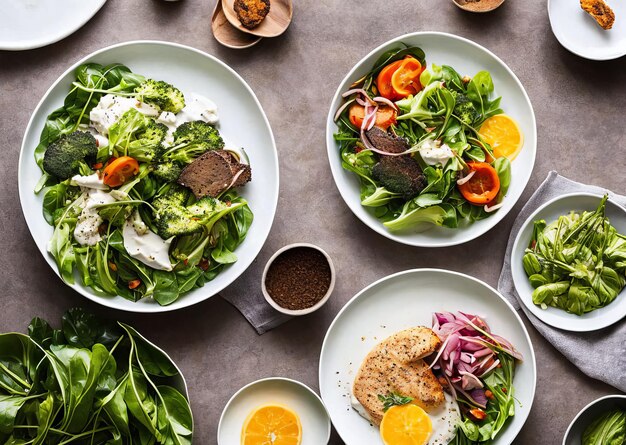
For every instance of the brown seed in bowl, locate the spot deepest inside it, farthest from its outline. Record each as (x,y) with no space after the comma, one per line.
(251,12)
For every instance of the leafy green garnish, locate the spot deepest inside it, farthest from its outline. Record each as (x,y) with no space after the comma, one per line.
(393,399)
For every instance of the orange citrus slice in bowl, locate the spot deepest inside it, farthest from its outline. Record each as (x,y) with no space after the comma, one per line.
(272,425)
(503,134)
(405,425)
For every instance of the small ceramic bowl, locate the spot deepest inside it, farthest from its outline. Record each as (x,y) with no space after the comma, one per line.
(295,395)
(573,435)
(464,6)
(308,310)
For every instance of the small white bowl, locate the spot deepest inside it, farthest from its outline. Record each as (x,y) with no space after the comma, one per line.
(558,318)
(573,435)
(293,394)
(317,305)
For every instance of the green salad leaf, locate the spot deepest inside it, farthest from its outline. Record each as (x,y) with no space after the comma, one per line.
(607,429)
(65,386)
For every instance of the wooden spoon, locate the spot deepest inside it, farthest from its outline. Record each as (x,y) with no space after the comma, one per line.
(275,23)
(478,6)
(227,34)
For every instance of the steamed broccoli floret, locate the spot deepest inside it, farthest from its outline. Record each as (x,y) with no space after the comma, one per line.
(191,139)
(400,174)
(167,171)
(137,135)
(65,157)
(464,108)
(161,94)
(171,216)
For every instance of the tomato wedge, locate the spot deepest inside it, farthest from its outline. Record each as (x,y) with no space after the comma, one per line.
(119,171)
(406,79)
(483,187)
(385,116)
(383,81)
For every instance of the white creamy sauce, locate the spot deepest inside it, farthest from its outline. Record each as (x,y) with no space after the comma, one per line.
(112,107)
(444,419)
(197,108)
(86,231)
(433,153)
(92,181)
(146,246)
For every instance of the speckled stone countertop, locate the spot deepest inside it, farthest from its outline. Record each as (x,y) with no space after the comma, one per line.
(582,133)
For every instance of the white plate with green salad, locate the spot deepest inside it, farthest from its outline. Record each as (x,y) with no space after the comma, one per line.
(431,139)
(569,262)
(137,181)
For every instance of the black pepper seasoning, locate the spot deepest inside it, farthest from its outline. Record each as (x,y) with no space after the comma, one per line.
(298,278)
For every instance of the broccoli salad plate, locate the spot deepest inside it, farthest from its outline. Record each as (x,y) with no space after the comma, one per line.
(148,176)
(431,139)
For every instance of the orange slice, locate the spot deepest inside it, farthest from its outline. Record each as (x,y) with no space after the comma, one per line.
(406,425)
(504,136)
(272,425)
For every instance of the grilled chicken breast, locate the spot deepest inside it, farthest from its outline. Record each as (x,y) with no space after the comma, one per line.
(397,365)
(600,11)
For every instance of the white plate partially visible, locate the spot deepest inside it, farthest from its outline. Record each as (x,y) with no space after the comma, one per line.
(550,211)
(238,108)
(579,33)
(28,24)
(404,300)
(276,390)
(468,58)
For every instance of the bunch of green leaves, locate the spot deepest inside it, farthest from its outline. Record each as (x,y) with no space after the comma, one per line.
(608,429)
(576,263)
(90,382)
(500,407)
(449,109)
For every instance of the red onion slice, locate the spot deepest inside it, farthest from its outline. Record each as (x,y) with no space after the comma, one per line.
(464,179)
(384,100)
(493,208)
(342,108)
(360,91)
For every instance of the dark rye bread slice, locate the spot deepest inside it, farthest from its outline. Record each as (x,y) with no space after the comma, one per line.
(386,142)
(245,176)
(213,172)
(208,175)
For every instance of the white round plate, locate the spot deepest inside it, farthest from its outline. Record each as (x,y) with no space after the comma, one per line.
(469,58)
(558,318)
(295,395)
(28,24)
(579,33)
(573,435)
(408,299)
(190,70)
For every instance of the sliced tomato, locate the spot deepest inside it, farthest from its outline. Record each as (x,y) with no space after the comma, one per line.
(406,79)
(383,82)
(119,171)
(484,186)
(385,116)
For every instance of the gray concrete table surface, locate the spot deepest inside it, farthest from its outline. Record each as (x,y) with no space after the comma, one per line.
(581,126)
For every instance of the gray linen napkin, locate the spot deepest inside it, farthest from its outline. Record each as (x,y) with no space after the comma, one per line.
(599,354)
(245,294)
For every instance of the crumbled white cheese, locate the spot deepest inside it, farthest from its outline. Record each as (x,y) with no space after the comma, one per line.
(434,153)
(112,107)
